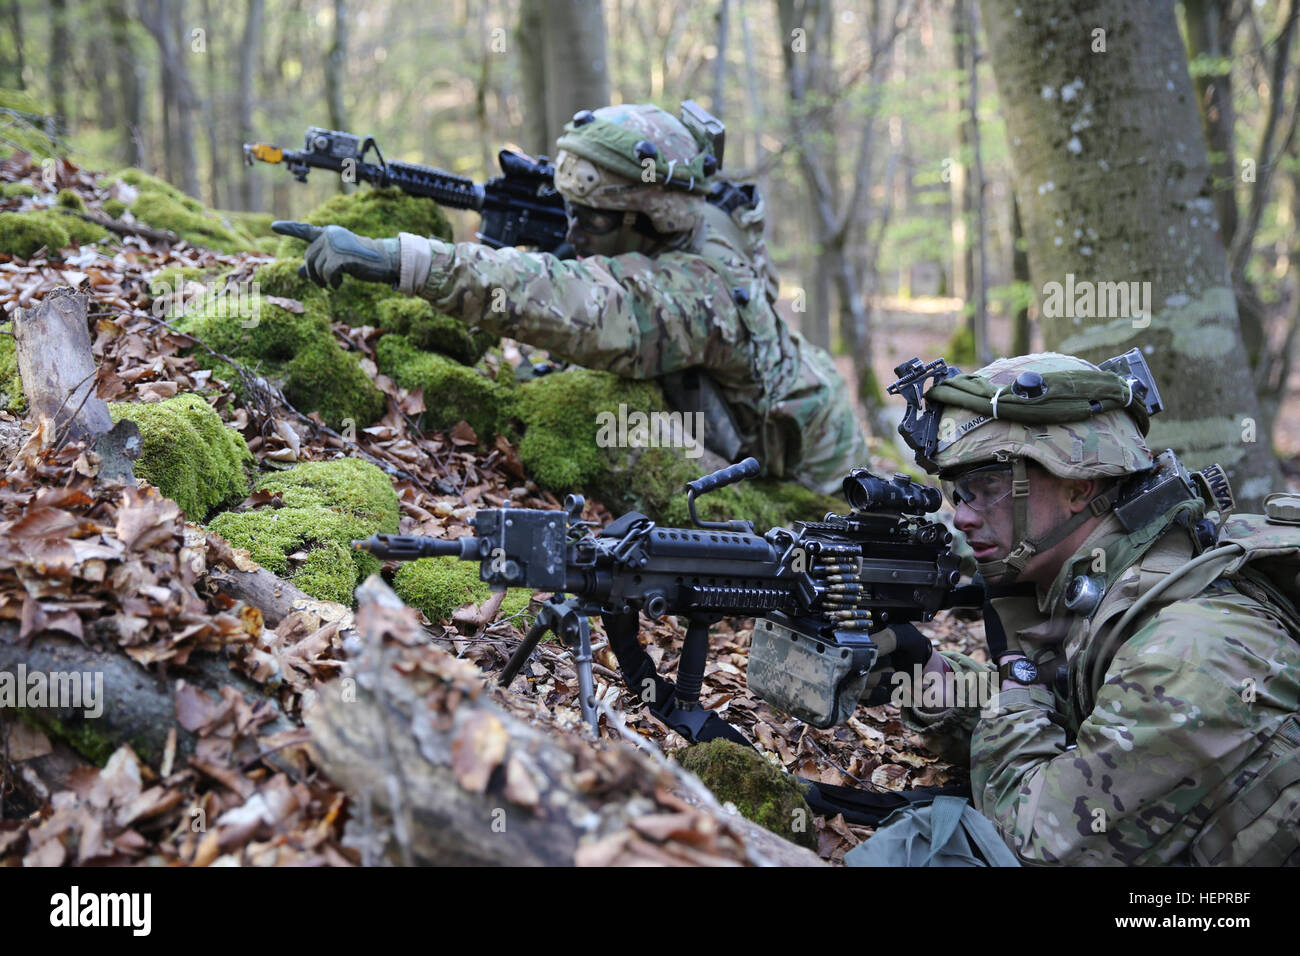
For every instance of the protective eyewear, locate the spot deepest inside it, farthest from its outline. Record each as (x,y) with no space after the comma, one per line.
(979,489)
(594,222)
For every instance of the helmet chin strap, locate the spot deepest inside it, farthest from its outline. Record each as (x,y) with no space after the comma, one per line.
(1026,547)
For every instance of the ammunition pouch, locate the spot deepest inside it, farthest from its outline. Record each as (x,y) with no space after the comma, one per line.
(818,682)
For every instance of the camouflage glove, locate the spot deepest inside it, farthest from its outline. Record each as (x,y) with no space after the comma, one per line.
(335,252)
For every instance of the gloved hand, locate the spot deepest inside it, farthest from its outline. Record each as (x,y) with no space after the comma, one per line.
(335,252)
(901,647)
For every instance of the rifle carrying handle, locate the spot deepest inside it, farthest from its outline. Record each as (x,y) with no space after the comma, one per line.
(725,476)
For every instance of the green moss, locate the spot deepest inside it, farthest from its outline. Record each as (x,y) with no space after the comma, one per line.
(431,330)
(296,351)
(762,793)
(163,206)
(377,213)
(189,453)
(280,278)
(437,586)
(80,733)
(70,200)
(356,302)
(452,391)
(348,484)
(81,232)
(114,208)
(17,190)
(170,280)
(12,398)
(328,505)
(22,234)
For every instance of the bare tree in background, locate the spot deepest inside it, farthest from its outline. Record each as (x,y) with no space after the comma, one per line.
(563,60)
(249,55)
(843,216)
(1111,171)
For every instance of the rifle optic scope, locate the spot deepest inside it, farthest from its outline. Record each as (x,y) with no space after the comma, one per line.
(867,492)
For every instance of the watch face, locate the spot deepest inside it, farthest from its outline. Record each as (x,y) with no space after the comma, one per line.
(1024,671)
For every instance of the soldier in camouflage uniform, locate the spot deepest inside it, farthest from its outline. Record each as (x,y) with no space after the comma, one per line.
(1158,723)
(668,285)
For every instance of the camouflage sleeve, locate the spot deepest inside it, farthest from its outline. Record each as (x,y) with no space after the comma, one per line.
(1169,732)
(632,315)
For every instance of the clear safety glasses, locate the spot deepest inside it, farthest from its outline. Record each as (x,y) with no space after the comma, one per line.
(979,489)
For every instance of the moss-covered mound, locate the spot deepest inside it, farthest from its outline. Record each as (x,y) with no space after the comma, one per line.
(762,793)
(325,506)
(431,330)
(11,386)
(17,190)
(560,415)
(437,586)
(163,206)
(296,351)
(452,392)
(189,453)
(22,234)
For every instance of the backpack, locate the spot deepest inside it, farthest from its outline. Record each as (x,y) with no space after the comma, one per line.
(947,832)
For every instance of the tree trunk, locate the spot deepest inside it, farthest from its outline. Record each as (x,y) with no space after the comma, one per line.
(1111,168)
(1210,31)
(186,101)
(127,70)
(718,100)
(249,54)
(963,254)
(532,76)
(59,45)
(980,277)
(336,68)
(16,25)
(573,57)
(1020,342)
(217,145)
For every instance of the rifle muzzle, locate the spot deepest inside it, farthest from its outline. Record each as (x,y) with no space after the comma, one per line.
(403,547)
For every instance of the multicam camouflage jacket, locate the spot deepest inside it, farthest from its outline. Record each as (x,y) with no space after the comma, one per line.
(1181,748)
(708,307)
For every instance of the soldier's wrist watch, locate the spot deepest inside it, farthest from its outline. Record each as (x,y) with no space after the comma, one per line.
(1019,669)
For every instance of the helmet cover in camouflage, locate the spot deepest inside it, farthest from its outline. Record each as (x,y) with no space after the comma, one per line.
(597,166)
(1108,444)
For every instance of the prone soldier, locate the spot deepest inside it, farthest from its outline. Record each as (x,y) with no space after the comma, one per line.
(673,283)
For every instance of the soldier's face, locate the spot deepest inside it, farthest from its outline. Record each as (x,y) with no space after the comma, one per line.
(1052,501)
(601,232)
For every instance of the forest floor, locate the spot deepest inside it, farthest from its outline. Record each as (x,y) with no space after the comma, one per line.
(65,810)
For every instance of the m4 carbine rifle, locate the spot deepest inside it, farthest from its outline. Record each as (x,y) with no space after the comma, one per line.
(819,589)
(520,207)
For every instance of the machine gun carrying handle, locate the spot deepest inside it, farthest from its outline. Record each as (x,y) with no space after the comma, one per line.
(748,468)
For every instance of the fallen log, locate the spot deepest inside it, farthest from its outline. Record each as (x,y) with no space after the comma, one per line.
(128,228)
(446,770)
(119,702)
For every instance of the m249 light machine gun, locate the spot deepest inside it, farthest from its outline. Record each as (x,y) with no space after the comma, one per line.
(520,207)
(819,589)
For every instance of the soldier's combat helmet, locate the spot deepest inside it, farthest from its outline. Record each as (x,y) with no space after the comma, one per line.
(1075,419)
(635,158)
